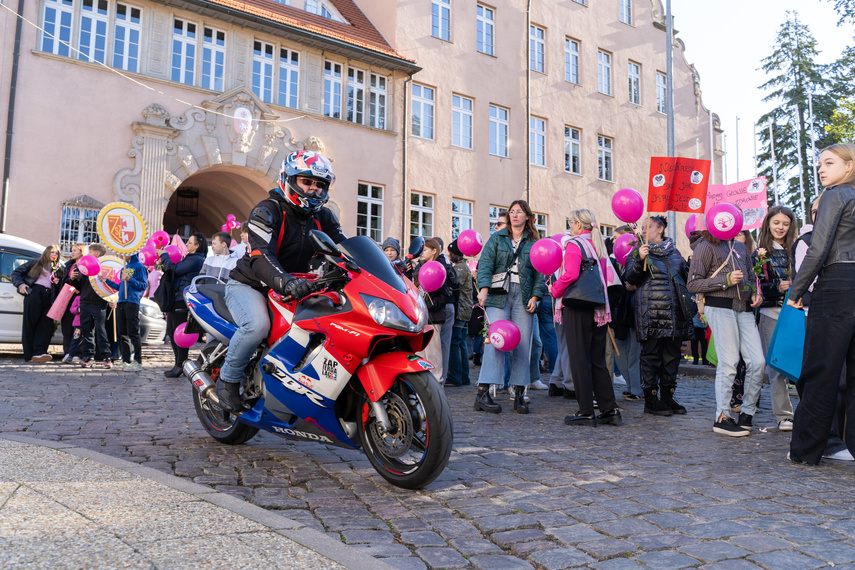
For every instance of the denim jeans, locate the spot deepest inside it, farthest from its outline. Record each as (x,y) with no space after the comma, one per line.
(249,309)
(735,333)
(629,362)
(561,374)
(782,407)
(439,349)
(548,335)
(536,351)
(492,369)
(458,362)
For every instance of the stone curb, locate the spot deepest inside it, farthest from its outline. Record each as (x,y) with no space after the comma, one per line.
(308,537)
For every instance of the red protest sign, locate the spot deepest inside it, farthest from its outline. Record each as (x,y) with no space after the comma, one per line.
(678,184)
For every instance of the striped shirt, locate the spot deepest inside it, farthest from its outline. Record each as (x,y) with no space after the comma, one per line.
(706,258)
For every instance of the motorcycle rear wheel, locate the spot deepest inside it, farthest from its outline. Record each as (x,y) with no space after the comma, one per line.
(416,449)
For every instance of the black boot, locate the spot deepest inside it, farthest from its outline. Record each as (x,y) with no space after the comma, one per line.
(668,400)
(484,402)
(229,395)
(174,372)
(555,390)
(519,404)
(652,404)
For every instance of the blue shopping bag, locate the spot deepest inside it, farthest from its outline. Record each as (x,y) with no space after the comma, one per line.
(786,348)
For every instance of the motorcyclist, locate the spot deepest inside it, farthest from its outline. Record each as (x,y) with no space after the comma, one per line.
(279,231)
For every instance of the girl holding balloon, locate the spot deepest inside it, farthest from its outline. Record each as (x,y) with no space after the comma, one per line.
(36,281)
(436,278)
(78,250)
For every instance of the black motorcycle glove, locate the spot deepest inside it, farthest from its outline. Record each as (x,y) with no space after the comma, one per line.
(297,288)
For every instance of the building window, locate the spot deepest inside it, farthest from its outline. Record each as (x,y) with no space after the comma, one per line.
(607,231)
(355,95)
(440,13)
(604,159)
(540,224)
(94,20)
(78,225)
(634,74)
(537,141)
(321,9)
(484,29)
(332,89)
(57,26)
(499,128)
(582,2)
(422,111)
(183,51)
(537,49)
(289,77)
(421,215)
(661,93)
(213,58)
(377,101)
(369,211)
(126,43)
(494,217)
(461,121)
(572,150)
(604,72)
(262,70)
(571,61)
(626,11)
(461,217)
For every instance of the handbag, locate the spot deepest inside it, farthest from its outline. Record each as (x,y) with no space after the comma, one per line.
(587,291)
(164,295)
(786,349)
(60,305)
(500,283)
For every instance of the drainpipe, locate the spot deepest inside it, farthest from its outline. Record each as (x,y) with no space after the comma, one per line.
(528,104)
(405,241)
(7,162)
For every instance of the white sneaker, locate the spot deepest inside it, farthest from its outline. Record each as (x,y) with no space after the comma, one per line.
(785,425)
(618,380)
(538,385)
(66,359)
(42,358)
(842,455)
(133,367)
(76,360)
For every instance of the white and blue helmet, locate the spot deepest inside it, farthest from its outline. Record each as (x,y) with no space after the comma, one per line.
(311,165)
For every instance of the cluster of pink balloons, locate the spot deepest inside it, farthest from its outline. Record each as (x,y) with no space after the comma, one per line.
(546,256)
(470,243)
(431,276)
(184,339)
(628,205)
(89,265)
(504,335)
(158,240)
(231,223)
(724,221)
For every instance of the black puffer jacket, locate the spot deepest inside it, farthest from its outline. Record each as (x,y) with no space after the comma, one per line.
(778,268)
(657,312)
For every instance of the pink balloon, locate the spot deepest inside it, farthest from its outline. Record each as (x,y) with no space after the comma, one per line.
(691,225)
(546,256)
(150,243)
(224,228)
(559,238)
(89,265)
(470,242)
(504,335)
(148,256)
(724,221)
(231,224)
(182,338)
(237,224)
(431,276)
(628,205)
(161,238)
(230,218)
(623,246)
(174,253)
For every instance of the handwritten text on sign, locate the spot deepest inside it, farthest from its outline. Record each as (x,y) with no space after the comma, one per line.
(677,184)
(749,195)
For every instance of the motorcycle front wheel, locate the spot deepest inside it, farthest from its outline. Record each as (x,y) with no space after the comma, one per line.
(416,449)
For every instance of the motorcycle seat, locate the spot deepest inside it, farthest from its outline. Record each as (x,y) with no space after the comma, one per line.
(216,292)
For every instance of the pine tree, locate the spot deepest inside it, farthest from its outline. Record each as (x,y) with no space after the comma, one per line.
(845,9)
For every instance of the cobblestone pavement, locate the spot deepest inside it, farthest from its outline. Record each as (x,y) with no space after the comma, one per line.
(519,491)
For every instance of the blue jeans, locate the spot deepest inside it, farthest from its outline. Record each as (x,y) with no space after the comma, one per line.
(249,309)
(458,363)
(492,369)
(736,333)
(536,351)
(548,337)
(629,362)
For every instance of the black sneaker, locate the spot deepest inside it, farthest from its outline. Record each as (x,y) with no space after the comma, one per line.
(728,427)
(580,419)
(745,421)
(555,390)
(569,394)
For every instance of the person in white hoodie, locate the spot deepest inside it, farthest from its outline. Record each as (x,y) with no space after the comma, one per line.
(221,263)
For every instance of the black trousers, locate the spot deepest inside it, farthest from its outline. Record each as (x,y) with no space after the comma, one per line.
(660,359)
(173,319)
(67,327)
(699,340)
(37,327)
(829,343)
(93,332)
(128,323)
(586,344)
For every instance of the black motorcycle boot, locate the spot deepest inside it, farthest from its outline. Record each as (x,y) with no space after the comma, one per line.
(520,406)
(229,395)
(653,405)
(484,402)
(668,400)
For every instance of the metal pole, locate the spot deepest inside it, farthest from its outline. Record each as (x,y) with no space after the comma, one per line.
(737,148)
(813,161)
(724,157)
(669,100)
(528,105)
(712,150)
(754,128)
(801,170)
(774,165)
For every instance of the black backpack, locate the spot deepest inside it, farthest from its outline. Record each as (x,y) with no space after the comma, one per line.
(164,295)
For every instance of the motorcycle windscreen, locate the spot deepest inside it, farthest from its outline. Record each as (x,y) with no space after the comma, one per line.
(371,258)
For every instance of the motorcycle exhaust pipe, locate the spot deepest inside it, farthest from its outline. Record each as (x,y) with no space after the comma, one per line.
(203,383)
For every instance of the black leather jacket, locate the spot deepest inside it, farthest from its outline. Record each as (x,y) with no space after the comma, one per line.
(778,267)
(833,239)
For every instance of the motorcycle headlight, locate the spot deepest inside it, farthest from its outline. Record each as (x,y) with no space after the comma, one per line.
(387,314)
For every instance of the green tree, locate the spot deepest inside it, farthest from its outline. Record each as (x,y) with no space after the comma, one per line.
(845,10)
(842,126)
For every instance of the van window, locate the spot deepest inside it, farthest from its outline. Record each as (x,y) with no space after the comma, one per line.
(9,261)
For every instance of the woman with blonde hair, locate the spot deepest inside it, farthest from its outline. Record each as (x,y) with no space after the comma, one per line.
(36,280)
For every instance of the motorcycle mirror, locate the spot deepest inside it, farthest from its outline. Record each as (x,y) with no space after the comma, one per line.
(417,246)
(324,244)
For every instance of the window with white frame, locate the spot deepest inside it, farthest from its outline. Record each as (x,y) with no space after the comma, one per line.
(289,77)
(634,75)
(626,11)
(321,9)
(537,141)
(58,17)
(607,231)
(422,119)
(356,95)
(604,72)
(183,51)
(495,211)
(440,16)
(485,24)
(377,101)
(79,224)
(540,224)
(537,48)
(582,2)
(94,21)
(262,70)
(461,217)
(332,89)
(661,92)
(461,121)
(421,215)
(369,211)
(213,58)
(126,38)
(571,61)
(499,130)
(572,150)
(604,158)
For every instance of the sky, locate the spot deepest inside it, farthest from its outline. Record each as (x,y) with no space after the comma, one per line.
(726,41)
